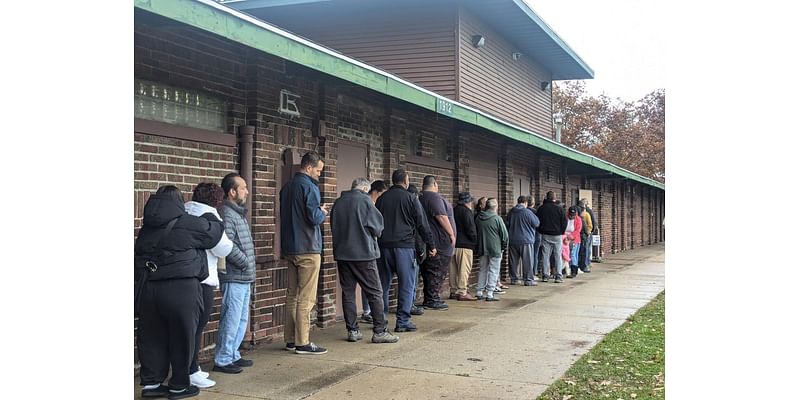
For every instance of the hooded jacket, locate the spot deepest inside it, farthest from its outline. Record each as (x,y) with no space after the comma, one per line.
(181,253)
(240,264)
(223,247)
(552,220)
(492,234)
(356,226)
(301,216)
(522,224)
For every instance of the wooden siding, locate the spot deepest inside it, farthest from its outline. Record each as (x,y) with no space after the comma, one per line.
(414,44)
(490,80)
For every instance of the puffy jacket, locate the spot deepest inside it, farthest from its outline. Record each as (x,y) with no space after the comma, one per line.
(240,264)
(181,253)
(356,226)
(301,216)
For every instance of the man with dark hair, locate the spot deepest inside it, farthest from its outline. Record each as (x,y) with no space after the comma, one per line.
(376,190)
(443,226)
(522,224)
(402,218)
(552,224)
(537,244)
(302,214)
(355,227)
(466,239)
(240,273)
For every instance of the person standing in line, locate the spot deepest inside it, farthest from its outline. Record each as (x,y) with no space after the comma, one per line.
(207,198)
(480,206)
(552,224)
(240,273)
(537,243)
(522,224)
(466,240)
(421,252)
(355,227)
(595,231)
(302,215)
(492,240)
(442,223)
(376,190)
(586,237)
(402,217)
(169,266)
(573,234)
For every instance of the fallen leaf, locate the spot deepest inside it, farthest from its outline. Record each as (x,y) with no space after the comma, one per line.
(605,383)
(633,395)
(593,362)
(566,397)
(570,383)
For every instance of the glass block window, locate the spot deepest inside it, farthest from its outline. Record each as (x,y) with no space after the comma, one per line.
(159,102)
(441,149)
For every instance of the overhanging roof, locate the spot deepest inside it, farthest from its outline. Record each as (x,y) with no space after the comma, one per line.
(514,19)
(236,26)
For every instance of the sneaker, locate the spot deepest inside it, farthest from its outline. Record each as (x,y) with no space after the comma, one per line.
(586,271)
(289,346)
(384,337)
(499,291)
(416,310)
(198,380)
(227,369)
(501,286)
(160,391)
(439,305)
(492,299)
(517,282)
(570,276)
(530,283)
(546,279)
(367,318)
(202,373)
(408,328)
(354,336)
(559,280)
(189,391)
(243,363)
(310,348)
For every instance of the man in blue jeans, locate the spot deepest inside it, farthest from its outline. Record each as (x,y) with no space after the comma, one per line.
(402,218)
(235,281)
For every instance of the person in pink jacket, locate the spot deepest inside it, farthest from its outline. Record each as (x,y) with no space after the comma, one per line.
(575,238)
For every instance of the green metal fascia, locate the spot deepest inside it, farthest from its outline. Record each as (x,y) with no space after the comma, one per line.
(223,21)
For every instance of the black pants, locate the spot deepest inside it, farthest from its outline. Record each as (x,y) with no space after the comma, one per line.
(170,312)
(365,273)
(208,306)
(585,241)
(433,270)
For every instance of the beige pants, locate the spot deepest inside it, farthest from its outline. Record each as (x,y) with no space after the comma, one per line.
(460,267)
(301,297)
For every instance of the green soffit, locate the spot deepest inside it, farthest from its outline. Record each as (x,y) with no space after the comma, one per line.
(241,28)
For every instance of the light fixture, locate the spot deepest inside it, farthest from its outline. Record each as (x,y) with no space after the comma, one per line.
(516,55)
(478,41)
(545,85)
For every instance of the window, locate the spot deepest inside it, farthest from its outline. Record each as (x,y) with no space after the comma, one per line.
(441,149)
(414,143)
(163,103)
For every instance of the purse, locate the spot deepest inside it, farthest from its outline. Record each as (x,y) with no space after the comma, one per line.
(143,265)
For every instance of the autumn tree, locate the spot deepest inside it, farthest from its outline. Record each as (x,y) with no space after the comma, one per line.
(628,134)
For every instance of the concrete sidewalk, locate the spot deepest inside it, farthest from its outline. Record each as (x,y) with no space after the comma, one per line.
(510,349)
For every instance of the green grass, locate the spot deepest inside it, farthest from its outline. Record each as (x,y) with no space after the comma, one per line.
(627,364)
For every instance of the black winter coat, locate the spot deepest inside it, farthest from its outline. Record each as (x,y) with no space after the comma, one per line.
(181,253)
(552,220)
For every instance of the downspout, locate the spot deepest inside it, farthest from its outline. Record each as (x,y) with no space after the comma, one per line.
(246,136)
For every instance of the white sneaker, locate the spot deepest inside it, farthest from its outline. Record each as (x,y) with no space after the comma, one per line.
(197,379)
(201,373)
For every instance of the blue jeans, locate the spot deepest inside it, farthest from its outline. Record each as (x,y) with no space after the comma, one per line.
(574,254)
(232,321)
(399,261)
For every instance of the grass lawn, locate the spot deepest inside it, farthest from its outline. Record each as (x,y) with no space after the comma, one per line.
(627,364)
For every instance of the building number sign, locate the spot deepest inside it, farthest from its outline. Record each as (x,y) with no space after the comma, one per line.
(444,107)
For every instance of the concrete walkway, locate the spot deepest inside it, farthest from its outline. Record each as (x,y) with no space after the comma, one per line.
(510,349)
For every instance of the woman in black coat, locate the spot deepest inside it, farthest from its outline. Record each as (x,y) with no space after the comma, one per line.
(170,251)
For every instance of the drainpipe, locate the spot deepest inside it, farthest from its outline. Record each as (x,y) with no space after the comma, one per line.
(246,135)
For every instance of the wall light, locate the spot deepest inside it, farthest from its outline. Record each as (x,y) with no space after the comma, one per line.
(545,85)
(478,41)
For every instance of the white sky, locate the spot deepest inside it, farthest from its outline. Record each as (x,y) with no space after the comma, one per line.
(621,40)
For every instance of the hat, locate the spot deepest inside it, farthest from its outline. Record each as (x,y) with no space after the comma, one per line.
(465,198)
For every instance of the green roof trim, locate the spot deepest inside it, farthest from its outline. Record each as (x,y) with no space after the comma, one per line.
(229,23)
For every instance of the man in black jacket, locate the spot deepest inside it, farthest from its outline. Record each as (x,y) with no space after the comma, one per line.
(355,226)
(402,218)
(466,239)
(171,301)
(552,224)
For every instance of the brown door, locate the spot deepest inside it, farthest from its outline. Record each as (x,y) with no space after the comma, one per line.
(350,164)
(483,175)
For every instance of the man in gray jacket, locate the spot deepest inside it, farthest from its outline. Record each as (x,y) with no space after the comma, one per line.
(240,272)
(356,225)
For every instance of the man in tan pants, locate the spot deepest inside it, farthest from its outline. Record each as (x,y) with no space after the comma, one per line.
(301,245)
(466,238)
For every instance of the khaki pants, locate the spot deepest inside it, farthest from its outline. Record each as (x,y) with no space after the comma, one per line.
(301,297)
(460,267)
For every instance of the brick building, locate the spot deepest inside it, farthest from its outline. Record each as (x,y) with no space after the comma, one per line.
(217,91)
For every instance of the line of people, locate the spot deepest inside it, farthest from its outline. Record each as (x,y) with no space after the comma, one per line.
(378,232)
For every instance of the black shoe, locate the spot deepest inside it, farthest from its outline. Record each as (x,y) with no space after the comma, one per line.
(492,299)
(189,391)
(417,310)
(160,391)
(408,328)
(243,363)
(570,276)
(227,369)
(310,348)
(289,346)
(586,270)
(438,305)
(367,318)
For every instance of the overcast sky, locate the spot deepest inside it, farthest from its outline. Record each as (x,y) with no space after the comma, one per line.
(621,40)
